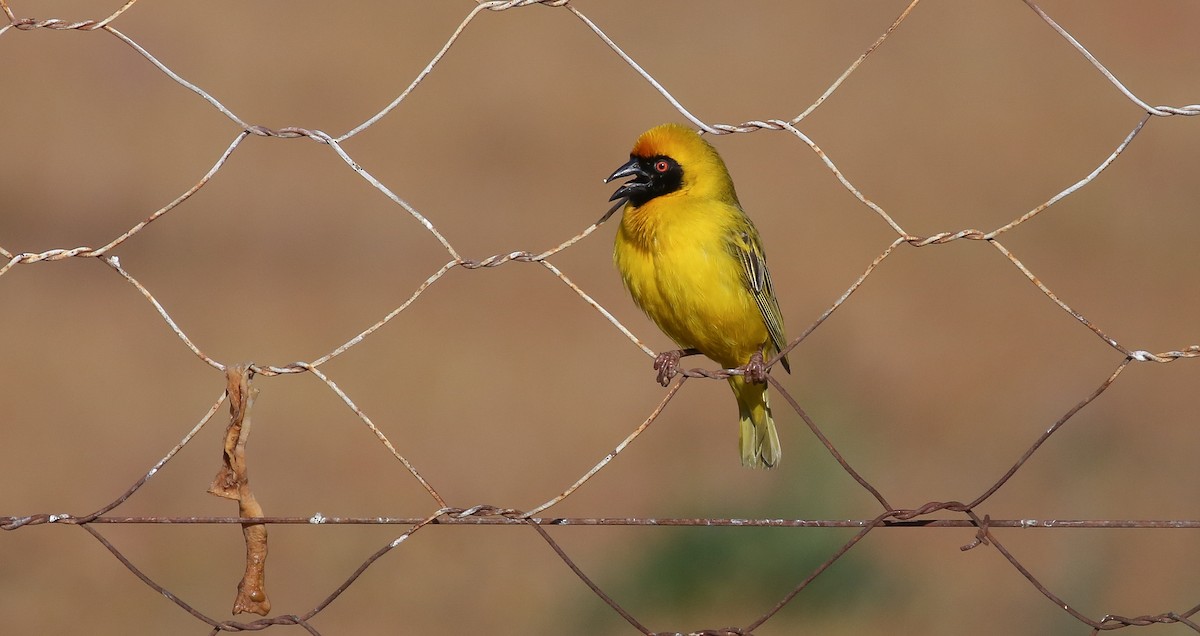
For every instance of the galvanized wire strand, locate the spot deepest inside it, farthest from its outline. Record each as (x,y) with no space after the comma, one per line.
(1157,111)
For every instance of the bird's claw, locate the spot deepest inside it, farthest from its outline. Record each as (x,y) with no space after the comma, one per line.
(667,365)
(756,369)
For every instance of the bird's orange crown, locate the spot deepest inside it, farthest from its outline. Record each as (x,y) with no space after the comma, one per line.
(704,173)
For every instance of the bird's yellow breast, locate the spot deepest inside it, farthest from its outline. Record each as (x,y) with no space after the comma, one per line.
(674,256)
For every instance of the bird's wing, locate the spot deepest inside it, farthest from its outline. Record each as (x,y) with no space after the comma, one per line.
(746,244)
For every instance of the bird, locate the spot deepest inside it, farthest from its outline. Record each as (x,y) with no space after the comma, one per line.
(694,263)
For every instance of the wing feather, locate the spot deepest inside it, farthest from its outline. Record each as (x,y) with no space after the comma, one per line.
(748,248)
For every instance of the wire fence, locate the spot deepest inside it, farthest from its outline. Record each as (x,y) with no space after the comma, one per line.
(232,481)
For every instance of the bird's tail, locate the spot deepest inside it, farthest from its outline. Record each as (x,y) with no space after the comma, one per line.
(757,438)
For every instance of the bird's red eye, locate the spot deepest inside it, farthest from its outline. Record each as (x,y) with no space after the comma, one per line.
(662,166)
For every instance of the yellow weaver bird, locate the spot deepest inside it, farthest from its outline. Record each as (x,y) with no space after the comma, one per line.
(693,261)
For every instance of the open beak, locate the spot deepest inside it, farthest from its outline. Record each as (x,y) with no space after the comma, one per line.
(641,179)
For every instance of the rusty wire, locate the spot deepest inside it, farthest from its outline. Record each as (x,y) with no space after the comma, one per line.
(932,514)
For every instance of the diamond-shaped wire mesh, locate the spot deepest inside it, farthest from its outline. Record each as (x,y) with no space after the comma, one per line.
(980,220)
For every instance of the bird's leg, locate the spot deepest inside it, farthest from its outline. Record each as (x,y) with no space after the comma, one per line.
(756,369)
(667,363)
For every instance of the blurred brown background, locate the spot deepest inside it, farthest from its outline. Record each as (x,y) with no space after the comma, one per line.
(503,387)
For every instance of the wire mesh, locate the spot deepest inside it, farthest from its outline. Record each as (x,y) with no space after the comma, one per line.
(862,471)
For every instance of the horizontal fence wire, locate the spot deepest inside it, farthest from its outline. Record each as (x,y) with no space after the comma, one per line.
(239,395)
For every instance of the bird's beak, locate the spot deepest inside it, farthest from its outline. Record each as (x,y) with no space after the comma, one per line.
(641,179)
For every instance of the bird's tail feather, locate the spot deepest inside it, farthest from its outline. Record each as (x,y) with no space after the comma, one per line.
(757,437)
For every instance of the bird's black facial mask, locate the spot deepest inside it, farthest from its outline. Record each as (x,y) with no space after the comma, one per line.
(652,177)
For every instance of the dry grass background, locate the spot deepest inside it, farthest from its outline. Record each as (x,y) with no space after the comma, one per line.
(503,387)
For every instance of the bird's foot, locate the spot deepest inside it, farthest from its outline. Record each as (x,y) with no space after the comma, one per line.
(756,369)
(667,365)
